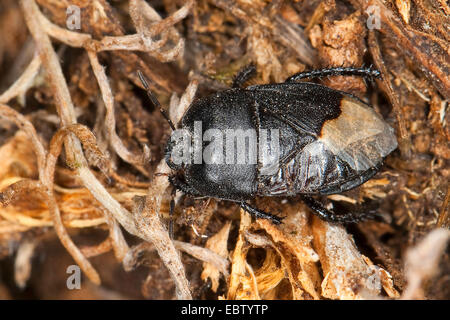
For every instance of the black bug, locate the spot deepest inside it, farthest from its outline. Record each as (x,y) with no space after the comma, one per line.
(329,142)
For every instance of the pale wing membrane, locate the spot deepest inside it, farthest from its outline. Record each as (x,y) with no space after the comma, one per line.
(359,136)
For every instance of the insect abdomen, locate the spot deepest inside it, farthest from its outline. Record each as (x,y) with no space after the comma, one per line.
(348,151)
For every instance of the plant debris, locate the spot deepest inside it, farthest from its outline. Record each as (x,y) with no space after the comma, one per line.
(82,166)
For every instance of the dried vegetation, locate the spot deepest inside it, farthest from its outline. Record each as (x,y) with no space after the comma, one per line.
(81,150)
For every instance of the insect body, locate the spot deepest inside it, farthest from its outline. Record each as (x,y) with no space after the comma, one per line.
(327,142)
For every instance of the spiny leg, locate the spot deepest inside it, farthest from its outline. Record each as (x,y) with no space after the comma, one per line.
(327,215)
(339,71)
(245,74)
(259,214)
(183,186)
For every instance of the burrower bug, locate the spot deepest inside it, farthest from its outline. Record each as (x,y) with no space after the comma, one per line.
(326,142)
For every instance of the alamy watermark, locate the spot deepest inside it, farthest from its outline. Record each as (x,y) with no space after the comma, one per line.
(74,280)
(73,20)
(227,146)
(373,19)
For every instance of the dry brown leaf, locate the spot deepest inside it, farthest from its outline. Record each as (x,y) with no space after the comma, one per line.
(292,240)
(17,159)
(218,244)
(347,275)
(238,273)
(269,276)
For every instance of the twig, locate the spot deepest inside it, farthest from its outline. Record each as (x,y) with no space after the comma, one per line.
(48,180)
(179,107)
(73,148)
(118,241)
(147,220)
(110,120)
(347,273)
(139,42)
(21,122)
(134,42)
(151,229)
(67,115)
(430,56)
(19,187)
(147,224)
(156,233)
(167,23)
(205,255)
(47,194)
(200,253)
(95,250)
(405,139)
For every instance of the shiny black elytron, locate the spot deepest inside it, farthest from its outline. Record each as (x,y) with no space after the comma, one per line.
(329,142)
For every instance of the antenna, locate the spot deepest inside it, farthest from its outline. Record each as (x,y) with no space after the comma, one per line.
(154,100)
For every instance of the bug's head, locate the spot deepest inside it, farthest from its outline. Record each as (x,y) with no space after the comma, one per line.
(178,158)
(170,144)
(171,157)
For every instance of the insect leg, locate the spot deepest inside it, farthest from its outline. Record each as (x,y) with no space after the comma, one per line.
(260,214)
(327,215)
(183,186)
(339,71)
(245,74)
